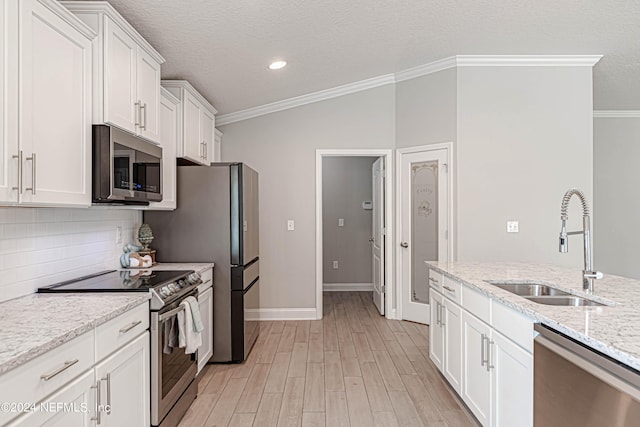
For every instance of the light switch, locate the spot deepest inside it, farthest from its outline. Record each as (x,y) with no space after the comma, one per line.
(340,222)
(291,225)
(118,234)
(335,265)
(512,226)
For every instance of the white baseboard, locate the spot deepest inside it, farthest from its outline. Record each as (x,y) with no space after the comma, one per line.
(338,287)
(281,314)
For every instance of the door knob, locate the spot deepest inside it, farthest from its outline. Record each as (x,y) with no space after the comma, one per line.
(404,244)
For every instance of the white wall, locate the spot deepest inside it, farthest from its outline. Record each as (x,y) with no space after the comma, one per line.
(426,109)
(346,183)
(616,190)
(44,246)
(281,147)
(524,137)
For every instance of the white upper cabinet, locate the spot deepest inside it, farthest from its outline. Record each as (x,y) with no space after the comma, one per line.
(196,143)
(46,105)
(169,117)
(126,72)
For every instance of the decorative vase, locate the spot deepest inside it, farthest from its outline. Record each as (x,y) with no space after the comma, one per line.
(145,236)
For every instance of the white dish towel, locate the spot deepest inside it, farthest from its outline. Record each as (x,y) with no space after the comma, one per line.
(189,326)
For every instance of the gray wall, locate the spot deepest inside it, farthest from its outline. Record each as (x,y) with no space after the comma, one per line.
(524,138)
(282,148)
(616,190)
(346,183)
(426,109)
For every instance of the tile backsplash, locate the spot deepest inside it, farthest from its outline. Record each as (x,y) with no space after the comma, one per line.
(41,246)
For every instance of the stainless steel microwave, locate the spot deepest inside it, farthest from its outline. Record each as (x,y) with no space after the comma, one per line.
(126,169)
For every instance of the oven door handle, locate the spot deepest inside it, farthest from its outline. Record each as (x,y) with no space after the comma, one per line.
(170,313)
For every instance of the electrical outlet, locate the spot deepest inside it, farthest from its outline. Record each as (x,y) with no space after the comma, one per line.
(118,235)
(335,265)
(340,222)
(512,226)
(291,225)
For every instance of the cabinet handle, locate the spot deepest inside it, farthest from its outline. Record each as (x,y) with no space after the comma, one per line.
(137,113)
(143,115)
(437,313)
(130,327)
(449,289)
(19,157)
(482,349)
(107,378)
(33,173)
(433,280)
(204,150)
(97,417)
(442,315)
(67,365)
(490,365)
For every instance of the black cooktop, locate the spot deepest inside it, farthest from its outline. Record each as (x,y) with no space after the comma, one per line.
(118,281)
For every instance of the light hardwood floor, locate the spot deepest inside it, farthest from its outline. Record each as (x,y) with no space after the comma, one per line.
(352,368)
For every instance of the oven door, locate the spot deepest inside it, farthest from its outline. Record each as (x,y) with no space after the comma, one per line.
(172,371)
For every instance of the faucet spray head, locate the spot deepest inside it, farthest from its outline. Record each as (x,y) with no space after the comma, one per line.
(564,241)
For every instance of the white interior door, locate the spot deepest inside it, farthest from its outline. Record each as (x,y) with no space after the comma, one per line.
(424,226)
(378,234)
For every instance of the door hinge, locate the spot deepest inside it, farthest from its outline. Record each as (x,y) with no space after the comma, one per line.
(384,231)
(384,289)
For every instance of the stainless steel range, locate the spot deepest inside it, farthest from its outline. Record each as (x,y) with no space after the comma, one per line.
(173,373)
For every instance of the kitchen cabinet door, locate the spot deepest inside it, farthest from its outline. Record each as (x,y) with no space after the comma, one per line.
(55,108)
(124,380)
(205,351)
(148,88)
(512,380)
(78,400)
(169,111)
(436,332)
(8,105)
(192,143)
(120,61)
(208,128)
(476,382)
(452,320)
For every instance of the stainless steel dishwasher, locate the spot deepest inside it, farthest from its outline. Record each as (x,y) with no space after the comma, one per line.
(576,386)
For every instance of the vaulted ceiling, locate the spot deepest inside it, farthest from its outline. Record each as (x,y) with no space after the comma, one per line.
(224,47)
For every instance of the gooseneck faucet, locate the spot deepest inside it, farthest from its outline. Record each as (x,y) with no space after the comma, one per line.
(588,275)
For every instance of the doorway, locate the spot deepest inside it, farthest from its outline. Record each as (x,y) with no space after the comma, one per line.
(424,209)
(367,246)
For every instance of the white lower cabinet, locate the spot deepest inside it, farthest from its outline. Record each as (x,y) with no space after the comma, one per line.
(436,333)
(512,383)
(205,351)
(488,362)
(78,399)
(124,380)
(476,389)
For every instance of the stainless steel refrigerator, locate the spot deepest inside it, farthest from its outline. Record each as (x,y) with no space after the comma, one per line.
(216,220)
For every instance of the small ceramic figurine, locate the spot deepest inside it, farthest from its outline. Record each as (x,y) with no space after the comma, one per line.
(132,259)
(145,237)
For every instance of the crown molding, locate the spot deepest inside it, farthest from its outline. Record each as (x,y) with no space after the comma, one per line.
(527,60)
(297,101)
(616,114)
(67,16)
(412,73)
(430,68)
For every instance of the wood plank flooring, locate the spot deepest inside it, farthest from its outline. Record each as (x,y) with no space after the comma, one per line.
(352,368)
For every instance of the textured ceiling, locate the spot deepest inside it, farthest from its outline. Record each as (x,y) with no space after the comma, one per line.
(224,47)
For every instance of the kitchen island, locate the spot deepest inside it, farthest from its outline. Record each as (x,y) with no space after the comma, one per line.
(612,329)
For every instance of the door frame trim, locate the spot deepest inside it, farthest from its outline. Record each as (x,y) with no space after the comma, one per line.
(448,146)
(388,154)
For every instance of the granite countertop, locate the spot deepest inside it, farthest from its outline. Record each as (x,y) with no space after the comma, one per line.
(613,330)
(37,323)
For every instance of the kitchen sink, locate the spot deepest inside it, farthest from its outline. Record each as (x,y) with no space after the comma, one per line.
(572,300)
(529,289)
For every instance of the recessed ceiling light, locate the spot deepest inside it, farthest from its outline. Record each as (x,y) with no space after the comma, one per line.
(276,65)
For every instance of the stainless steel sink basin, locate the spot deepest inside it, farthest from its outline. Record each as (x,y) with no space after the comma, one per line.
(529,289)
(573,301)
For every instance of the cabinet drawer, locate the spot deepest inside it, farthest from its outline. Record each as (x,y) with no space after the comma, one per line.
(452,290)
(510,323)
(477,304)
(435,280)
(117,332)
(207,280)
(46,373)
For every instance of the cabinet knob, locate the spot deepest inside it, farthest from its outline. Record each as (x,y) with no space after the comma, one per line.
(404,244)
